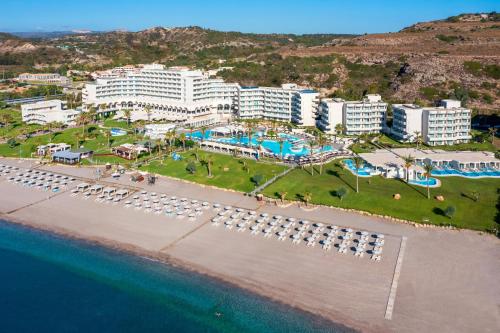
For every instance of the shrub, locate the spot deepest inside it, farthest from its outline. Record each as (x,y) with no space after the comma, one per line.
(12,143)
(447,39)
(341,193)
(191,168)
(450,211)
(257,179)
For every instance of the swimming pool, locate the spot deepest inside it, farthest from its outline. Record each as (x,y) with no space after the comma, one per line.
(291,145)
(468,174)
(364,171)
(433,182)
(118,132)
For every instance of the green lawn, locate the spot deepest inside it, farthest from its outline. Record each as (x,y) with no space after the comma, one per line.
(376,196)
(116,124)
(228,172)
(95,140)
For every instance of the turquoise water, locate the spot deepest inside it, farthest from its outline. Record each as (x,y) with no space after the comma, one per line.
(53,284)
(291,145)
(469,174)
(364,171)
(423,182)
(118,132)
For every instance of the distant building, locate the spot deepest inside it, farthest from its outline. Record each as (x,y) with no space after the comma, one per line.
(45,112)
(304,107)
(51,148)
(157,131)
(447,124)
(45,78)
(367,116)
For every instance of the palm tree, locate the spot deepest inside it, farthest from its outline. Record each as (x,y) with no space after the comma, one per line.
(203,130)
(283,196)
(427,173)
(339,129)
(492,131)
(92,114)
(307,197)
(147,109)
(312,144)
(281,142)
(209,162)
(127,113)
(182,137)
(82,120)
(321,142)
(250,126)
(408,162)
(158,143)
(358,163)
(418,138)
(107,134)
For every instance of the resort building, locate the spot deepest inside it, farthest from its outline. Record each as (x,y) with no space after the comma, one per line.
(194,98)
(45,78)
(45,112)
(473,164)
(447,124)
(157,131)
(357,117)
(51,148)
(304,107)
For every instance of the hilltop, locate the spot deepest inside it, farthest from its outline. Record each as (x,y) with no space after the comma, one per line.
(455,57)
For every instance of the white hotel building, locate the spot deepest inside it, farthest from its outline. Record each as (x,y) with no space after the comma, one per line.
(447,124)
(190,96)
(45,112)
(367,116)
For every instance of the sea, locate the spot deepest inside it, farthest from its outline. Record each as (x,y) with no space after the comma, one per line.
(51,283)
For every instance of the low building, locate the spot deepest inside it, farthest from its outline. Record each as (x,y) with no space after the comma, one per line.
(66,157)
(129,151)
(45,112)
(51,148)
(45,78)
(157,131)
(447,124)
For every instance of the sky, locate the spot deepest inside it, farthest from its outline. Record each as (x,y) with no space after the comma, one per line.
(259,16)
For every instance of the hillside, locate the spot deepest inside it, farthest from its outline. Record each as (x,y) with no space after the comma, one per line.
(456,57)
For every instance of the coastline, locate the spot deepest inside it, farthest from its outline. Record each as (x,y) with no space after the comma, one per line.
(339,288)
(164,259)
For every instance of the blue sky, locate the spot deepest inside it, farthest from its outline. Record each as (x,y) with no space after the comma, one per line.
(261,16)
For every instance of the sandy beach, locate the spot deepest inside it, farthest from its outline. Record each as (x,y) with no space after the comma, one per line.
(428,279)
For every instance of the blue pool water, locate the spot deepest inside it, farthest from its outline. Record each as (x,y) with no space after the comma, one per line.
(364,171)
(470,174)
(54,284)
(423,182)
(118,132)
(291,145)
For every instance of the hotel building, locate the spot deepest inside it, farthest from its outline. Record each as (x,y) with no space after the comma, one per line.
(45,112)
(367,116)
(192,97)
(47,78)
(447,124)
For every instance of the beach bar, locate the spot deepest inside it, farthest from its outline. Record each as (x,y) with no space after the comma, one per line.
(66,157)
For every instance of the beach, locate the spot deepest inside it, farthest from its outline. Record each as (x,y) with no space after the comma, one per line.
(428,279)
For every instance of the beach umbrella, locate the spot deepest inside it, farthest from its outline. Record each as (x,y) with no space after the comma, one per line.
(327,242)
(380,236)
(259,221)
(291,219)
(319,224)
(252,212)
(228,208)
(277,217)
(264,214)
(296,236)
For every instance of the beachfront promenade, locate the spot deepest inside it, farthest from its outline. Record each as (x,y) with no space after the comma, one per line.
(428,279)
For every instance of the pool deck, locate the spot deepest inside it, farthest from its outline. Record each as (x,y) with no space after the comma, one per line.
(429,280)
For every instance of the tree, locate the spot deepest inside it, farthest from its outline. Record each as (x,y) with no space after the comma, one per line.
(322,141)
(427,174)
(450,211)
(191,167)
(418,138)
(209,161)
(339,129)
(307,197)
(341,193)
(312,144)
(107,134)
(82,120)
(127,113)
(250,127)
(283,196)
(358,163)
(258,179)
(408,162)
(203,130)
(281,142)
(12,143)
(92,114)
(492,131)
(182,138)
(475,196)
(147,109)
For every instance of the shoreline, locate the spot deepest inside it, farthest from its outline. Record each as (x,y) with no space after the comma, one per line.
(341,289)
(165,259)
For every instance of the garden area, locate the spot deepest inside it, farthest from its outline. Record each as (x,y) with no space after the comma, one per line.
(467,203)
(225,171)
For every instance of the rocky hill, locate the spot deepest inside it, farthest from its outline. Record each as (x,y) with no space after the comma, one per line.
(456,57)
